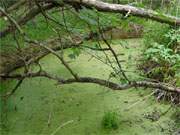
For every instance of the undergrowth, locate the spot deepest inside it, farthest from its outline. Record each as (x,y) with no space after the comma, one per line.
(161,59)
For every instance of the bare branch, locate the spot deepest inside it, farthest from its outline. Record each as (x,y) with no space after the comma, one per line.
(14,89)
(59,57)
(112,51)
(111,85)
(31,14)
(11,20)
(14,6)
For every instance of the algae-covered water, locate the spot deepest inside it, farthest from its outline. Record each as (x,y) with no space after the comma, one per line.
(42,107)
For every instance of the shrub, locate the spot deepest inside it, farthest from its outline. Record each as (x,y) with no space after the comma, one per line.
(162,55)
(165,53)
(161,60)
(110,120)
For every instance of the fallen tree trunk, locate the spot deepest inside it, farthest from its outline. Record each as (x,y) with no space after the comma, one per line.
(100,6)
(128,10)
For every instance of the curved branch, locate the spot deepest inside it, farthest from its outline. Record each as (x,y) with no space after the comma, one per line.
(102,82)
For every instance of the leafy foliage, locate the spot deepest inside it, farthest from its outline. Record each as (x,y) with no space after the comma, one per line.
(174,37)
(164,51)
(75,52)
(162,55)
(162,59)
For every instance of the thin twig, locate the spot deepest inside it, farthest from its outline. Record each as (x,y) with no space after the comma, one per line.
(61,126)
(11,20)
(139,101)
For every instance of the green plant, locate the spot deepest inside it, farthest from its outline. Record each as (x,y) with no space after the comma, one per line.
(163,48)
(162,55)
(155,34)
(75,52)
(174,37)
(110,120)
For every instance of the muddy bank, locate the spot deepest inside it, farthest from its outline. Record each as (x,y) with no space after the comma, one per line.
(133,31)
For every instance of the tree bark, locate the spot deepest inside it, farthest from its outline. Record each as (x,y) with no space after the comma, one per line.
(124,9)
(102,82)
